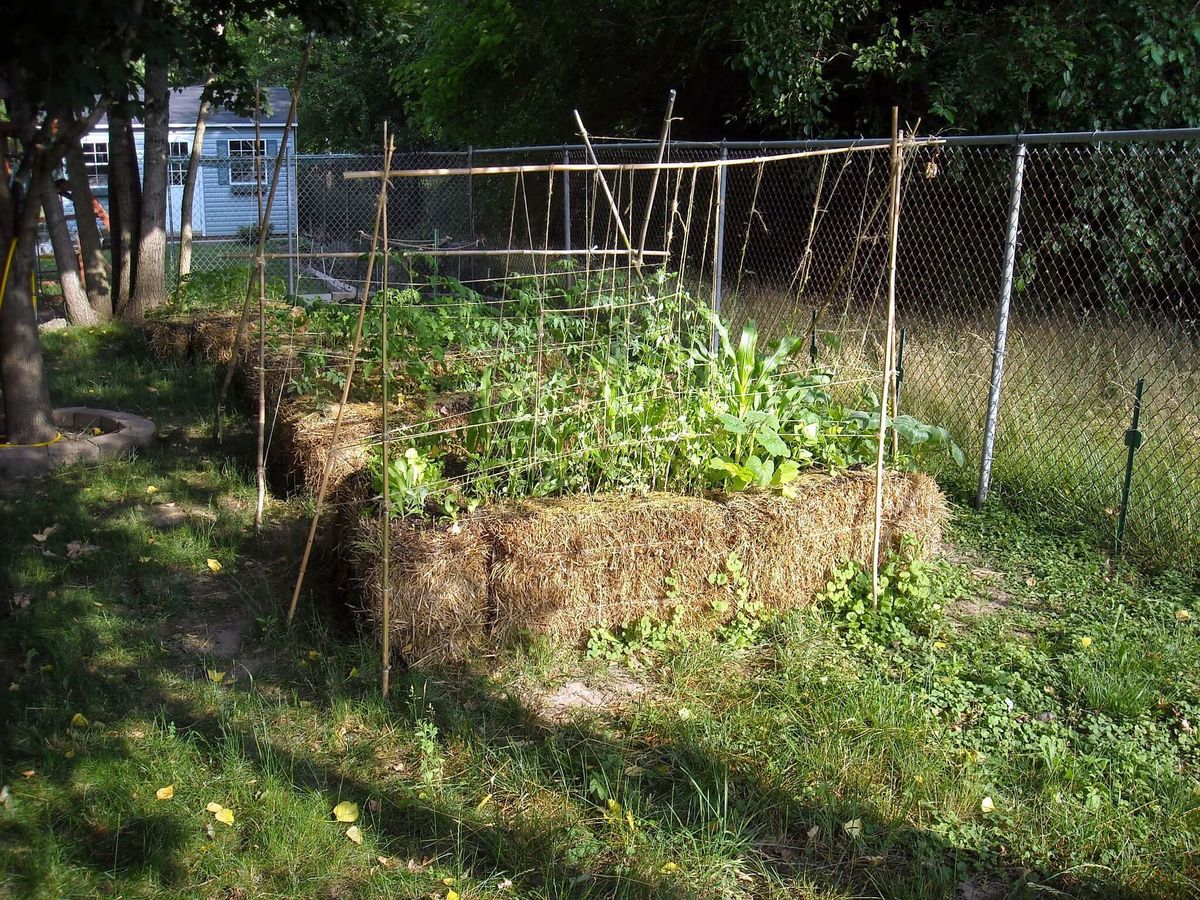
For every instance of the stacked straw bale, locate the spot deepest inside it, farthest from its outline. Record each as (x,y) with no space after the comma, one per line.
(208,338)
(561,567)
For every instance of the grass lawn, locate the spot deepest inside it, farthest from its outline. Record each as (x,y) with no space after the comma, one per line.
(164,734)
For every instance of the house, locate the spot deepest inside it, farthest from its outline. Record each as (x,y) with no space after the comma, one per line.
(226,199)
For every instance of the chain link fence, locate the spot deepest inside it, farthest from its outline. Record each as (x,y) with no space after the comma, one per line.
(1104,283)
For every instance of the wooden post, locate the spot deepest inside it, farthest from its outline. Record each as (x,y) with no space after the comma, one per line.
(889,349)
(260,266)
(385,649)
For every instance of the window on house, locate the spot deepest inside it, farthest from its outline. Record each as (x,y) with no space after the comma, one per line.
(178,164)
(95,157)
(242,156)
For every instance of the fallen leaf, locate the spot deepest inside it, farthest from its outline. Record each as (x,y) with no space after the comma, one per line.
(1085,642)
(29,773)
(987,805)
(214,807)
(353,672)
(448,880)
(670,867)
(225,815)
(684,712)
(813,832)
(853,827)
(452,895)
(214,676)
(346,811)
(165,793)
(1184,615)
(76,549)
(387,862)
(505,885)
(79,720)
(137,734)
(21,600)
(483,803)
(42,536)
(70,754)
(143,559)
(354,834)
(5,796)
(213,565)
(151,489)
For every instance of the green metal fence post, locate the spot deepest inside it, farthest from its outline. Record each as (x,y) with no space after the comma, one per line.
(1133,440)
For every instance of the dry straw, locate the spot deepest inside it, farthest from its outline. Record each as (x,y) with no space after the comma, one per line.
(561,567)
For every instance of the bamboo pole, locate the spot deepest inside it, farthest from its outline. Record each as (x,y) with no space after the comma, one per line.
(628,167)
(587,143)
(385,650)
(337,422)
(347,254)
(260,267)
(888,350)
(662,149)
(262,240)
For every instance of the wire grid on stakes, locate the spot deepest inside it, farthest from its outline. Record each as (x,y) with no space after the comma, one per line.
(1104,289)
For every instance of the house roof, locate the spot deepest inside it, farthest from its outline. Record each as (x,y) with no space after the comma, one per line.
(185,106)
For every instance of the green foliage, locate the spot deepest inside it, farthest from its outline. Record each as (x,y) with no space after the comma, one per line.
(908,608)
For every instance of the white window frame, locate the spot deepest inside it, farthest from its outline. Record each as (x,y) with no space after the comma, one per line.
(241,150)
(97,168)
(177,164)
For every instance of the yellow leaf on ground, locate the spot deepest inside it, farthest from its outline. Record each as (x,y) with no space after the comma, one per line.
(42,536)
(214,807)
(483,803)
(214,565)
(987,805)
(1184,615)
(853,827)
(354,834)
(165,793)
(151,489)
(346,811)
(79,720)
(225,815)
(452,895)
(214,676)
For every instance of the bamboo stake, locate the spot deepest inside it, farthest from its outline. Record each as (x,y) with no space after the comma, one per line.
(262,241)
(261,458)
(348,254)
(337,422)
(627,167)
(386,649)
(889,342)
(587,143)
(662,149)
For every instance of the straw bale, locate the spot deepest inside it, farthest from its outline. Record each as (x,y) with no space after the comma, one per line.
(561,567)
(170,339)
(788,546)
(439,579)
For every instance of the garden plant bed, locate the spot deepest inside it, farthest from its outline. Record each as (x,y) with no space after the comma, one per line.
(562,567)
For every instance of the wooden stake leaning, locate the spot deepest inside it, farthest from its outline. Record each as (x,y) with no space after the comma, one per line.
(337,422)
(260,266)
(662,149)
(262,241)
(612,204)
(385,649)
(888,350)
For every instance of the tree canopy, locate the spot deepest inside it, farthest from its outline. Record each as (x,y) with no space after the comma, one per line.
(510,71)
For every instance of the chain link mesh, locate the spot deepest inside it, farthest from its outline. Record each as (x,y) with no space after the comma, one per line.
(1105,287)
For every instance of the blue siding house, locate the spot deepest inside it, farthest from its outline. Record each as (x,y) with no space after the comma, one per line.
(226,193)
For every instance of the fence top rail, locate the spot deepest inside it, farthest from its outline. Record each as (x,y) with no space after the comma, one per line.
(961,140)
(723,162)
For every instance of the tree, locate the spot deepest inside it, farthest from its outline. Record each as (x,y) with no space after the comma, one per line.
(188,202)
(150,280)
(95,264)
(52,94)
(79,309)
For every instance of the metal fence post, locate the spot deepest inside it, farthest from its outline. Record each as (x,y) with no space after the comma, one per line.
(1133,440)
(566,175)
(471,193)
(1006,283)
(719,243)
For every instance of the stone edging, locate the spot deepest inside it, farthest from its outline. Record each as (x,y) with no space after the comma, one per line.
(124,433)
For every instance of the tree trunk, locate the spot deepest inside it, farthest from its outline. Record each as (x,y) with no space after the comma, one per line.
(79,310)
(124,198)
(189,188)
(27,410)
(150,283)
(95,266)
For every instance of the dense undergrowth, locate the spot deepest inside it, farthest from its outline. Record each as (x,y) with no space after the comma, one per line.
(1031,730)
